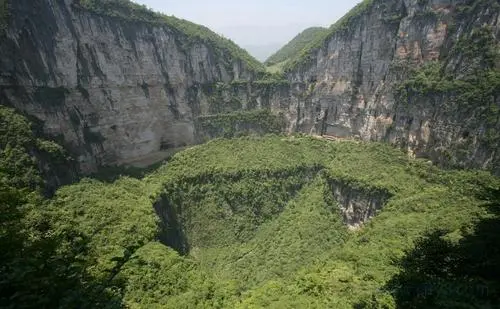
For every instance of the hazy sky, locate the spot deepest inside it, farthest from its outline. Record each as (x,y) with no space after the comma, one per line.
(255,22)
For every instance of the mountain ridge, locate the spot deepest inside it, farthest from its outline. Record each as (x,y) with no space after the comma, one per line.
(295,46)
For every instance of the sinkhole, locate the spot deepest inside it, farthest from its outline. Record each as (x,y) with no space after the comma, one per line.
(221,210)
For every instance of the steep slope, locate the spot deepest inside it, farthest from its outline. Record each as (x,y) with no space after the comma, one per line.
(116,80)
(28,160)
(296,45)
(423,75)
(120,82)
(279,222)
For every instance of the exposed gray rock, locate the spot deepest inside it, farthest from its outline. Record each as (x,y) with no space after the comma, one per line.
(357,205)
(116,90)
(354,74)
(119,90)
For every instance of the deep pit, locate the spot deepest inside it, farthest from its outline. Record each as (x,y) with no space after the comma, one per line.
(206,212)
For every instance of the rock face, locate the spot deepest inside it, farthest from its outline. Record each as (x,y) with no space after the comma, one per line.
(353,79)
(358,205)
(116,90)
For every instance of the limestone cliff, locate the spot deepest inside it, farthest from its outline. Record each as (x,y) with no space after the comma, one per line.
(116,89)
(421,74)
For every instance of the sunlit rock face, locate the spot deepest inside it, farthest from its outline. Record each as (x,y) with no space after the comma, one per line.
(116,90)
(356,73)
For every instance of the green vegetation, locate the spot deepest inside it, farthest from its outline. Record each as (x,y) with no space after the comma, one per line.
(22,153)
(257,222)
(474,85)
(277,68)
(130,11)
(18,168)
(249,223)
(275,79)
(431,79)
(4,15)
(470,7)
(307,53)
(241,123)
(42,259)
(292,48)
(223,97)
(298,253)
(226,98)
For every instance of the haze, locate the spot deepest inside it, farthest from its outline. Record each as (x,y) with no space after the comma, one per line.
(260,26)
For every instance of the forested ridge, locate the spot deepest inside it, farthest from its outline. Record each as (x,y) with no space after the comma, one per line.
(295,46)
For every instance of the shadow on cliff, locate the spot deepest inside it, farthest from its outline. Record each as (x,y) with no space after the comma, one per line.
(110,174)
(438,273)
(172,233)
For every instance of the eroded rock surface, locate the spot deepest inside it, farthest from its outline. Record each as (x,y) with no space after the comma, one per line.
(119,90)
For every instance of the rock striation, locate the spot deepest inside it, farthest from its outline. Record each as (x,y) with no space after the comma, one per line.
(355,77)
(115,89)
(420,74)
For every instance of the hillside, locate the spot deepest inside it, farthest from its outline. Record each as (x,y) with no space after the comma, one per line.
(296,45)
(363,175)
(257,222)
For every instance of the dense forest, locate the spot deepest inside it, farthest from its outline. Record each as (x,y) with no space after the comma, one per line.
(248,223)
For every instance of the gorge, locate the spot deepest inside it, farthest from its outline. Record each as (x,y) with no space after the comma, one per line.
(356,168)
(119,87)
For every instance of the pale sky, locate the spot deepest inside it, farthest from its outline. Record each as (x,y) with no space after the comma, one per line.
(256,23)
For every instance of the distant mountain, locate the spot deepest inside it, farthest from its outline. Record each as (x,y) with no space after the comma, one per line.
(262,52)
(296,45)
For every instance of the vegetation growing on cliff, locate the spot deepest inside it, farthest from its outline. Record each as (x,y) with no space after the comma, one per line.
(241,123)
(307,53)
(128,10)
(23,154)
(41,256)
(471,84)
(296,45)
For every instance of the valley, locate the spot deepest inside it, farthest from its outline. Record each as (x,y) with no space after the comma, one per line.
(147,162)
